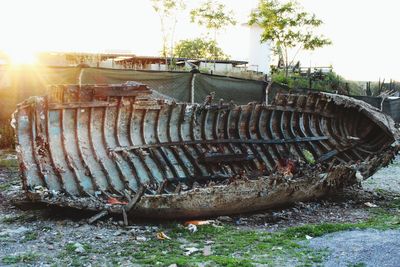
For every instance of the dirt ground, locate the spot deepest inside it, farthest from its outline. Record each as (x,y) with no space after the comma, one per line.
(42,236)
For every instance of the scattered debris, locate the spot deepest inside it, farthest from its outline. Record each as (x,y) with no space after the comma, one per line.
(98,216)
(370,205)
(162,236)
(189,251)
(114,201)
(192,228)
(207,251)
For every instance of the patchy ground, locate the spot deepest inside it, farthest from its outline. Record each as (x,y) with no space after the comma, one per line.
(341,230)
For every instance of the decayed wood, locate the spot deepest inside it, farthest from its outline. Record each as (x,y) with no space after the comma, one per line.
(81,145)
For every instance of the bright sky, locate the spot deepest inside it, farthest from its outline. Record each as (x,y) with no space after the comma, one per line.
(364,32)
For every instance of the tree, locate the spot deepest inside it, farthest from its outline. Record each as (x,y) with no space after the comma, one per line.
(167,11)
(200,49)
(288,27)
(213,16)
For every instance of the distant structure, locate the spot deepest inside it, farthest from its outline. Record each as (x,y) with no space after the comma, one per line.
(132,61)
(259,56)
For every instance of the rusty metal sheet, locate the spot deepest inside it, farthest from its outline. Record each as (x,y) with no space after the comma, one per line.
(116,148)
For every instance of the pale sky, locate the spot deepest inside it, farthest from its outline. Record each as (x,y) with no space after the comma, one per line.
(364,32)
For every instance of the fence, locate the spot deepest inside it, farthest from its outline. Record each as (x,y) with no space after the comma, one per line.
(18,84)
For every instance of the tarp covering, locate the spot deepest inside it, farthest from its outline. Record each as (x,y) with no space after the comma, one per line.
(238,90)
(17,84)
(173,84)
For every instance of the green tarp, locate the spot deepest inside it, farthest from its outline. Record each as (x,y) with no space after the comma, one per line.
(238,90)
(173,84)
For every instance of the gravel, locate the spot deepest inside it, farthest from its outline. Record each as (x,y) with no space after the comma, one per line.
(360,248)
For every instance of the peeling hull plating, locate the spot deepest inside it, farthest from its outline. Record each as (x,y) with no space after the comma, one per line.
(84,146)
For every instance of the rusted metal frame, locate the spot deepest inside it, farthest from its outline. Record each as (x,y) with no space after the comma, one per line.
(75,105)
(291,134)
(310,118)
(141,157)
(77,159)
(195,145)
(243,148)
(332,129)
(247,130)
(304,103)
(272,135)
(203,144)
(110,185)
(32,133)
(349,133)
(377,141)
(302,130)
(343,133)
(224,158)
(86,166)
(90,156)
(295,109)
(153,157)
(131,161)
(113,162)
(227,136)
(68,159)
(225,141)
(48,173)
(310,103)
(26,169)
(328,129)
(189,156)
(292,100)
(135,199)
(126,180)
(161,151)
(71,186)
(193,149)
(270,161)
(218,133)
(162,136)
(344,130)
(309,130)
(281,132)
(174,152)
(214,132)
(317,126)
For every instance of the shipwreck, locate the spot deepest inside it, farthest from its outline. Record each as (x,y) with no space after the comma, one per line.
(123,149)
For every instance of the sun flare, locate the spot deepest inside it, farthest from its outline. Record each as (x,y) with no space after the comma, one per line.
(21,57)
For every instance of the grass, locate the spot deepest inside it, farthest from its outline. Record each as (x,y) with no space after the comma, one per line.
(29,236)
(28,257)
(232,246)
(24,217)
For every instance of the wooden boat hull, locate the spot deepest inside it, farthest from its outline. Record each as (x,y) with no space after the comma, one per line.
(116,148)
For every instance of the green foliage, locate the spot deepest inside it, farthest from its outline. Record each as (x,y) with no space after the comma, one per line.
(330,82)
(199,48)
(166,7)
(167,10)
(212,15)
(29,257)
(29,236)
(287,26)
(309,156)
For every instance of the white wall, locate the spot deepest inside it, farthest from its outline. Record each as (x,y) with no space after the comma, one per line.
(259,53)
